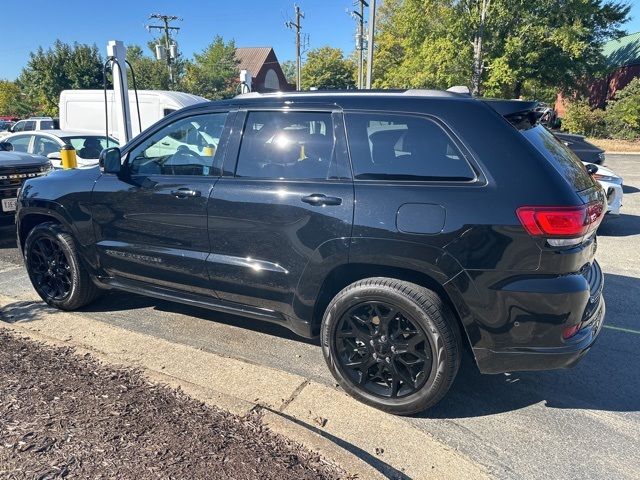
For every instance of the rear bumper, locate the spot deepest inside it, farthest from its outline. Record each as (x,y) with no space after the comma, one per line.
(540,310)
(541,358)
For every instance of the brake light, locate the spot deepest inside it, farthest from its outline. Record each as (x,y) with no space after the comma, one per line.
(561,222)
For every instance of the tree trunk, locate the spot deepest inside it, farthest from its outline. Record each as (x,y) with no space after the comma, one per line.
(478,60)
(517,89)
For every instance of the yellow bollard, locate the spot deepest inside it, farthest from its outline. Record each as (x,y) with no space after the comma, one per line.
(68,157)
(209,151)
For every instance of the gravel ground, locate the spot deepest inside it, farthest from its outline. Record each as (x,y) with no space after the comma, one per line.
(66,415)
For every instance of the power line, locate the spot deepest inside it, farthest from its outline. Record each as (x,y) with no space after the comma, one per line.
(298,26)
(169,51)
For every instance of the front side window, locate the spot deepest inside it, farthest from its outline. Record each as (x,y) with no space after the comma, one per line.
(287,146)
(20,143)
(19,127)
(188,146)
(403,147)
(44,146)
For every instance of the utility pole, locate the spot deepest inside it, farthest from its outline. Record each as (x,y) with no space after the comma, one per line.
(170,51)
(359,16)
(372,28)
(298,27)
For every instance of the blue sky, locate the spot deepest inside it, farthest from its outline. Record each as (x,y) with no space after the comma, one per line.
(28,25)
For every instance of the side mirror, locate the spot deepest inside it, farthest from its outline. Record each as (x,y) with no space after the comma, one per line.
(6,147)
(54,156)
(110,159)
(591,168)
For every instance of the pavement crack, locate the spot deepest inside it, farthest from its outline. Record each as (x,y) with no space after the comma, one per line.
(293,396)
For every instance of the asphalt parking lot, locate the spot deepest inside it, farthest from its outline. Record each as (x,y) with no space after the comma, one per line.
(578,423)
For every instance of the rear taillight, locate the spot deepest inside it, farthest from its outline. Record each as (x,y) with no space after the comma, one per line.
(569,332)
(561,222)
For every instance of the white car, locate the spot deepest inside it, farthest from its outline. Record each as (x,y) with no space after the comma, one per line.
(612,185)
(48,144)
(31,124)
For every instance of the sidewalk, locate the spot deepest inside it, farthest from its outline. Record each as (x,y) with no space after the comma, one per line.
(360,439)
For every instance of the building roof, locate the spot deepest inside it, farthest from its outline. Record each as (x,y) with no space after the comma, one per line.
(252,58)
(623,51)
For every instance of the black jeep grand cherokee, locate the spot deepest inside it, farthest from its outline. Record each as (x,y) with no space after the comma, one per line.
(397,226)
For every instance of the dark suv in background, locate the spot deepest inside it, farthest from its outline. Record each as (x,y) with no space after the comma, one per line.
(399,227)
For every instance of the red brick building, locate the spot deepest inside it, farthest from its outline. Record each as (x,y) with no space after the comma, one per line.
(266,72)
(623,59)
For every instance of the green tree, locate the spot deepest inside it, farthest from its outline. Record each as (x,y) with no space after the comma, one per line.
(579,117)
(214,73)
(61,67)
(326,68)
(502,48)
(150,73)
(12,101)
(289,70)
(622,116)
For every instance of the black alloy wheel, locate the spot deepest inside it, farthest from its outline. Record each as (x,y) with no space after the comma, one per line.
(383,350)
(50,268)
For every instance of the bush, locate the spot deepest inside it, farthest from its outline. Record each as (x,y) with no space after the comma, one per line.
(622,116)
(580,118)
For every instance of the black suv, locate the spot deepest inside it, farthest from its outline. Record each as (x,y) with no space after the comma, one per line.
(397,226)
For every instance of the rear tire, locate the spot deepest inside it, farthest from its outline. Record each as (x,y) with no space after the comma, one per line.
(55,269)
(391,344)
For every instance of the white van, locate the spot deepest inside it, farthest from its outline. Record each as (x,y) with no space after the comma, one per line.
(84,109)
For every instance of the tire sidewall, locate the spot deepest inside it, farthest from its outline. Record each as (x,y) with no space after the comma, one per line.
(431,389)
(54,233)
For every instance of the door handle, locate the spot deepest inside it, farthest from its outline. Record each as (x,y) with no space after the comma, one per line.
(185,192)
(321,199)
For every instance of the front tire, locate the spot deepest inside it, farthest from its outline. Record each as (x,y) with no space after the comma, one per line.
(55,269)
(391,344)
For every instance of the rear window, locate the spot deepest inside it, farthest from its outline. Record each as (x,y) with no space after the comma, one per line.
(403,147)
(560,156)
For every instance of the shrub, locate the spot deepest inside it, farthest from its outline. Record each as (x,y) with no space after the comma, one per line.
(622,116)
(580,118)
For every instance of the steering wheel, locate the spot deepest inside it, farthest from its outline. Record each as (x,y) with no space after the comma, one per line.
(186,151)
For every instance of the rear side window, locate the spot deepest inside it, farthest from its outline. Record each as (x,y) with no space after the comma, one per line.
(403,147)
(29,125)
(560,156)
(47,125)
(288,146)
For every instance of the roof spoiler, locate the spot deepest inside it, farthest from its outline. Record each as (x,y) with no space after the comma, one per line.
(521,113)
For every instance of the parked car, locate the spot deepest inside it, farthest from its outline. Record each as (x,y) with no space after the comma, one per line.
(15,168)
(5,125)
(612,185)
(84,109)
(48,143)
(398,227)
(587,152)
(33,123)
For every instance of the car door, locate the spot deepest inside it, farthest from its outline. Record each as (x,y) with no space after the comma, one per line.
(151,219)
(283,208)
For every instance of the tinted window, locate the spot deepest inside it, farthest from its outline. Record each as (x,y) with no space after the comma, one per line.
(287,145)
(48,125)
(560,156)
(188,146)
(403,147)
(29,125)
(19,127)
(44,146)
(20,143)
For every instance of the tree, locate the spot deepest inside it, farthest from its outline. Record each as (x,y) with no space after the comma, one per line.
(13,102)
(214,73)
(623,113)
(289,70)
(61,67)
(503,48)
(150,73)
(326,68)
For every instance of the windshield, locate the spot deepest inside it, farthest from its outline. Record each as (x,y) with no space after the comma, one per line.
(560,156)
(89,146)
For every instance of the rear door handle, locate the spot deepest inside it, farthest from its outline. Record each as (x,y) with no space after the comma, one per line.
(321,199)
(185,192)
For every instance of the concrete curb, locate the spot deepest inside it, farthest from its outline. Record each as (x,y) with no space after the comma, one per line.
(621,153)
(361,440)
